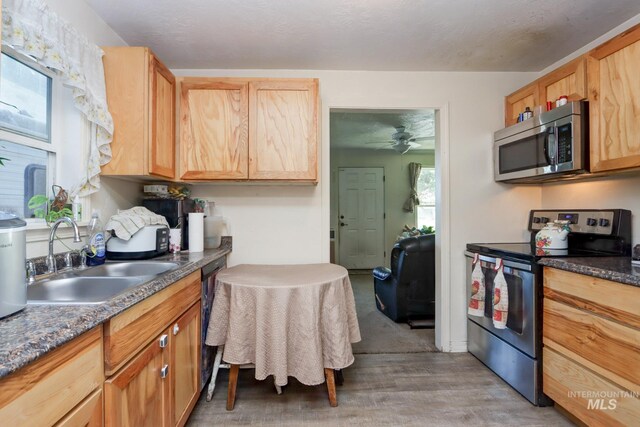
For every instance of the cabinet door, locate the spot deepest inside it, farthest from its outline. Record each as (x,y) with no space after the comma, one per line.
(138,395)
(162,132)
(213,129)
(283,117)
(127,82)
(185,360)
(614,103)
(569,80)
(88,413)
(518,101)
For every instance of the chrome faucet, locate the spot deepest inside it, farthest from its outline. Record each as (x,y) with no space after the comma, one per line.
(51,260)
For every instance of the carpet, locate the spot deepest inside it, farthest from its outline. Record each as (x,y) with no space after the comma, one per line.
(381,335)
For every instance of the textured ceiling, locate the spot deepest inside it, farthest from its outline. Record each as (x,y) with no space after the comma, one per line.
(458,35)
(373,129)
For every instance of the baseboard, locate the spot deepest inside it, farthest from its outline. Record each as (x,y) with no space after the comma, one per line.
(458,346)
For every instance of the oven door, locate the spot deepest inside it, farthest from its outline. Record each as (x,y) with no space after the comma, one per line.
(521,279)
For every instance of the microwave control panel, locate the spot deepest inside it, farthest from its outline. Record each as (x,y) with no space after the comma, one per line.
(595,222)
(565,143)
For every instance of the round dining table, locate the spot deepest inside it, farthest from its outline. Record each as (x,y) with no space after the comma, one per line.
(287,320)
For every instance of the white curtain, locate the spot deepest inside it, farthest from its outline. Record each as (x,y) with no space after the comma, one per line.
(414,174)
(31,28)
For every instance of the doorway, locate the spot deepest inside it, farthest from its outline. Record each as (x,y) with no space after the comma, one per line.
(361,217)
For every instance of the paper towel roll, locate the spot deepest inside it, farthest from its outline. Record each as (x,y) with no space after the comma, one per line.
(196,232)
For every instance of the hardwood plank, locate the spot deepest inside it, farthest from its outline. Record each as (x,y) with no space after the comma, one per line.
(130,331)
(564,381)
(614,301)
(608,344)
(44,391)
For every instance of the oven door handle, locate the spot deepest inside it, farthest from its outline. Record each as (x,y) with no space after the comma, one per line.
(507,263)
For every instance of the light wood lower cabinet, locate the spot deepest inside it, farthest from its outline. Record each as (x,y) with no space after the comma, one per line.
(152,351)
(59,387)
(591,356)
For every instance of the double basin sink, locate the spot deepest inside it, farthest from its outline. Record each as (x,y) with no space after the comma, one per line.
(95,285)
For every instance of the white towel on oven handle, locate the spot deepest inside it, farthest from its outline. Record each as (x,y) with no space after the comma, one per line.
(500,297)
(477,298)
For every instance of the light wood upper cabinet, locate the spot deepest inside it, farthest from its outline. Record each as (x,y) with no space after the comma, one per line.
(141,99)
(239,129)
(569,80)
(518,101)
(283,131)
(614,103)
(214,125)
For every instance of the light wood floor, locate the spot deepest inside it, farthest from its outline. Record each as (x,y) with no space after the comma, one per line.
(416,389)
(386,389)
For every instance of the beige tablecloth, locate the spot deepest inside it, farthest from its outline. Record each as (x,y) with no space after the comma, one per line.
(288,320)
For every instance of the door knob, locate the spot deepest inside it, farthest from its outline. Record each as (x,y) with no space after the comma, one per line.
(164,371)
(176,329)
(342,224)
(341,216)
(164,340)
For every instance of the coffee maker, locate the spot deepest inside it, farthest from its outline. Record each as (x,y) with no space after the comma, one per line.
(175,211)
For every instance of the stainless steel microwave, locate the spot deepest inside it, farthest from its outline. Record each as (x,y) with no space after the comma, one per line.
(550,146)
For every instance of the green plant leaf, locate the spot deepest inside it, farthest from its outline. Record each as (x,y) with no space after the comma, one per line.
(38,213)
(37,201)
(4,159)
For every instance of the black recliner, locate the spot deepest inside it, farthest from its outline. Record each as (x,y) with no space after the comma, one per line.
(408,290)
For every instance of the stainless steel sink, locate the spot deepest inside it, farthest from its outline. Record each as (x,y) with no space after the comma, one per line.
(95,285)
(79,290)
(129,269)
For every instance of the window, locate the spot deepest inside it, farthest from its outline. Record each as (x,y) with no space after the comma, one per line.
(26,147)
(426,210)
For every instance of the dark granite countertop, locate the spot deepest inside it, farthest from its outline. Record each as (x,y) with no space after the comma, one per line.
(617,269)
(38,329)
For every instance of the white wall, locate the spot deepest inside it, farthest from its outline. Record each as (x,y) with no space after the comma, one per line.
(396,187)
(72,134)
(288,224)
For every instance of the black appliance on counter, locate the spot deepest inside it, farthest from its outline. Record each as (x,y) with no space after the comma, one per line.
(175,211)
(515,353)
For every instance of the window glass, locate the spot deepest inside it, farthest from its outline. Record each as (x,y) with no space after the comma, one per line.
(23,175)
(25,99)
(426,211)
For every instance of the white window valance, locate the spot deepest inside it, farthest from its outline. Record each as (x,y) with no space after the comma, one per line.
(30,27)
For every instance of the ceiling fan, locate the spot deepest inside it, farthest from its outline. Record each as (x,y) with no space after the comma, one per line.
(401,140)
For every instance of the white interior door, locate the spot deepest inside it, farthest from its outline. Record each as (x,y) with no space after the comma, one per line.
(361,217)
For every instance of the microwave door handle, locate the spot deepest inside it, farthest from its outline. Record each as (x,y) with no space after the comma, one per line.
(551,146)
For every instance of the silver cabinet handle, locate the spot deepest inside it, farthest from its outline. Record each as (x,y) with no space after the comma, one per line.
(164,340)
(164,371)
(176,329)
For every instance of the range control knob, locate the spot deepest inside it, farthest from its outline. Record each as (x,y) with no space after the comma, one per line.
(544,219)
(591,222)
(536,220)
(603,222)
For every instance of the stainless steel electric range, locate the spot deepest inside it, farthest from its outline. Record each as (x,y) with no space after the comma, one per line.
(515,353)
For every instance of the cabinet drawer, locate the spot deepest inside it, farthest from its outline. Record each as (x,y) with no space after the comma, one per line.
(88,413)
(586,395)
(605,298)
(46,390)
(612,347)
(127,333)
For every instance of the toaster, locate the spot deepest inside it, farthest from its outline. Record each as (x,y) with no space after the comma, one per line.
(148,242)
